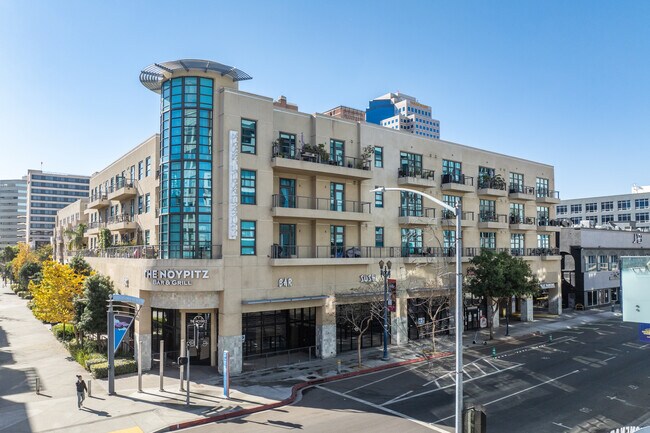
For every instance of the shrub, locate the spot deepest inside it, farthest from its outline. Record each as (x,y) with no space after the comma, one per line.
(65,336)
(122,366)
(94,358)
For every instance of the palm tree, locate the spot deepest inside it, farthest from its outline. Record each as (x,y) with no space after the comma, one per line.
(76,237)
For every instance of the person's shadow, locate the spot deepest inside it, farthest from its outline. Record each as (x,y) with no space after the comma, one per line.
(96,412)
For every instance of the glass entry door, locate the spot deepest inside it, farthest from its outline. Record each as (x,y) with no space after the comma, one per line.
(199,352)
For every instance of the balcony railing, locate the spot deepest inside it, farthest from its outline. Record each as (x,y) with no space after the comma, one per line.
(299,202)
(543,251)
(351,252)
(413,211)
(518,219)
(492,183)
(176,251)
(100,196)
(126,218)
(458,178)
(491,217)
(545,221)
(518,188)
(406,171)
(543,193)
(449,215)
(341,161)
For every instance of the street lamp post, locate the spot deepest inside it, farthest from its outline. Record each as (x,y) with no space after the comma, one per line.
(458,313)
(384,271)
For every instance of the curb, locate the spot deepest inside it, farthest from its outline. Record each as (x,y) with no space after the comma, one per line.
(295,391)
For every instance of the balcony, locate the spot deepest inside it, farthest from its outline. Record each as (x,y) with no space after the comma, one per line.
(457,183)
(549,225)
(189,251)
(418,255)
(551,254)
(518,222)
(492,186)
(295,161)
(490,220)
(295,255)
(416,216)
(320,208)
(449,219)
(121,223)
(518,191)
(547,196)
(415,176)
(97,202)
(93,228)
(122,191)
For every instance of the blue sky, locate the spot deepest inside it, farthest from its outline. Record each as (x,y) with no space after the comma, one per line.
(560,82)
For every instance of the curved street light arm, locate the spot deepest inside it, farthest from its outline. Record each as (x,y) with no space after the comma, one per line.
(433,199)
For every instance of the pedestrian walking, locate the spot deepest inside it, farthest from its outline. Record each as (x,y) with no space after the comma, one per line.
(81,391)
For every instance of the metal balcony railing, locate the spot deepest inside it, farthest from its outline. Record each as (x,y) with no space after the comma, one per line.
(305,155)
(515,188)
(458,178)
(491,217)
(449,215)
(544,192)
(408,171)
(415,211)
(519,219)
(175,251)
(300,202)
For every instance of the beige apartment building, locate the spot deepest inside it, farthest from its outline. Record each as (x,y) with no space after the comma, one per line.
(260,220)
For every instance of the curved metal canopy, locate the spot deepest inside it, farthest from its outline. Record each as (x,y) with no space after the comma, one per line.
(152,76)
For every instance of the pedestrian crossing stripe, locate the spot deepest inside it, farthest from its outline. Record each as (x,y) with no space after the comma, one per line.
(129,430)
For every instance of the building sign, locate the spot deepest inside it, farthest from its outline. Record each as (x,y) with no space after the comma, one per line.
(175,277)
(638,238)
(285,282)
(368,278)
(233,186)
(547,285)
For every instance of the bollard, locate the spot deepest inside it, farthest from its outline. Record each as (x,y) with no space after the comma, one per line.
(90,388)
(494,352)
(338,366)
(161,367)
(181,367)
(550,338)
(38,386)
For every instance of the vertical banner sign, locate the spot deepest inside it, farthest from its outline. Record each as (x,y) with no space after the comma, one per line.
(392,289)
(226,374)
(233,185)
(122,324)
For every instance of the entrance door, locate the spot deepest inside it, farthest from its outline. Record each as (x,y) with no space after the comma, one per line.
(199,353)
(287,240)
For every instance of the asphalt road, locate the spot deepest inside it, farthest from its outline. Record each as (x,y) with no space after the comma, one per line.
(590,378)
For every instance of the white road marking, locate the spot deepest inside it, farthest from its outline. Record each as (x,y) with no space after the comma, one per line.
(561,425)
(392,412)
(399,396)
(518,392)
(453,384)
(479,368)
(436,380)
(609,359)
(383,378)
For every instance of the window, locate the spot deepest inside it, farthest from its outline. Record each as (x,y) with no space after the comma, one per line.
(287,242)
(543,241)
(451,171)
(602,263)
(592,218)
(641,203)
(517,244)
(287,192)
(147,202)
(139,170)
(379,157)
(575,220)
(147,237)
(591,263)
(561,209)
(449,242)
(606,218)
(450,200)
(485,177)
(516,182)
(543,215)
(516,213)
(541,187)
(140,202)
(248,235)
(576,208)
(591,207)
(410,204)
(337,197)
(337,241)
(642,217)
(623,204)
(411,241)
(613,263)
(248,134)
(337,152)
(624,217)
(488,240)
(287,145)
(379,198)
(248,186)
(410,164)
(379,236)
(147,172)
(606,206)
(487,211)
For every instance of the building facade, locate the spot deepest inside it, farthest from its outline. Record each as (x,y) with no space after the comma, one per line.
(46,194)
(590,263)
(13,211)
(625,210)
(404,113)
(262,224)
(347,113)
(70,231)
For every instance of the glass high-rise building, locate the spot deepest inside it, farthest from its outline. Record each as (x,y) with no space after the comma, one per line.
(13,209)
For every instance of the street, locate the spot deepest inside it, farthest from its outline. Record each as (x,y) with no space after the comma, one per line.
(588,378)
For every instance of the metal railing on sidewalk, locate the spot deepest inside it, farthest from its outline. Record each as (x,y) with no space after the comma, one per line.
(279,358)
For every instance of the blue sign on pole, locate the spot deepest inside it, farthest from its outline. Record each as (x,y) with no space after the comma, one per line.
(122,324)
(644,332)
(226,374)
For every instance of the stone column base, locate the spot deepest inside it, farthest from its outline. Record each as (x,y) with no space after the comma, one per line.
(326,341)
(233,344)
(146,350)
(526,308)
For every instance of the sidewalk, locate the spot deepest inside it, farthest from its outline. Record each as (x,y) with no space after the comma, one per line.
(29,350)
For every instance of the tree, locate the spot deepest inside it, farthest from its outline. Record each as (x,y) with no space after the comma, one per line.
(499,276)
(8,253)
(92,319)
(23,256)
(104,237)
(44,253)
(80,266)
(76,237)
(54,295)
(31,271)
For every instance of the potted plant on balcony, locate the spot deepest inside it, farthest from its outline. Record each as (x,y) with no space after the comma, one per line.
(366,156)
